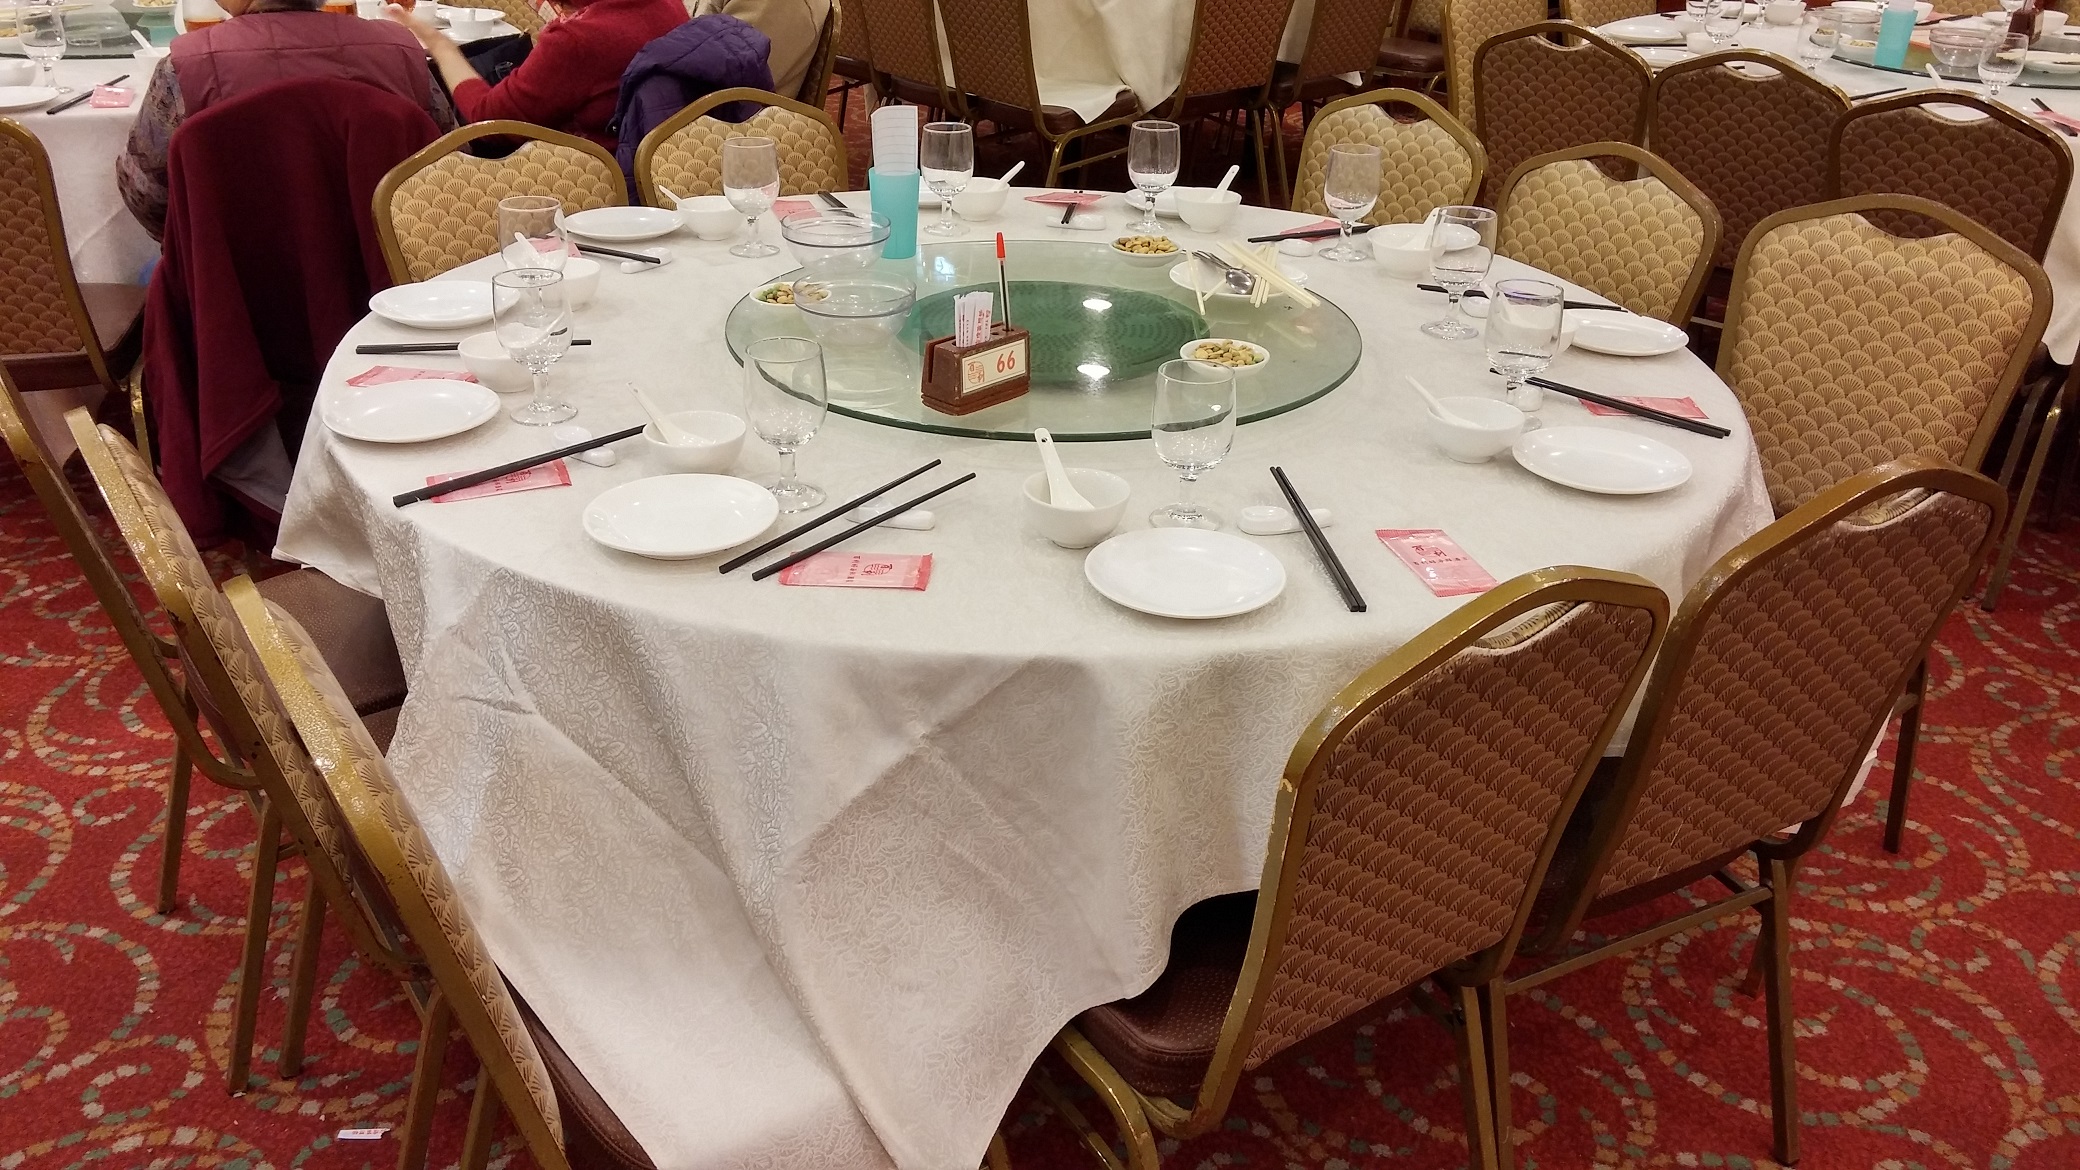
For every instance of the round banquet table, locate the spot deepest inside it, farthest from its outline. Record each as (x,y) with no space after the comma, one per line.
(108,245)
(808,877)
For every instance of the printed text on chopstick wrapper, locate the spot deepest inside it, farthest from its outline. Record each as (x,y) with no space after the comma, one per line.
(546,475)
(1436,558)
(384,375)
(1680,407)
(861,571)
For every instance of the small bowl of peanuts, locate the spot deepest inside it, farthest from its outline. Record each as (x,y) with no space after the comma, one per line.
(1146,251)
(1243,357)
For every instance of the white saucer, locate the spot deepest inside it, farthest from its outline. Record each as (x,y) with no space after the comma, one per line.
(1603,460)
(1184,573)
(434,304)
(1214,282)
(1626,334)
(25,97)
(1644,30)
(622,225)
(413,411)
(1662,56)
(678,517)
(1166,203)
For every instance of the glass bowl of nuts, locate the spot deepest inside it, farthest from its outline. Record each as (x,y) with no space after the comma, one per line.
(1146,251)
(1243,357)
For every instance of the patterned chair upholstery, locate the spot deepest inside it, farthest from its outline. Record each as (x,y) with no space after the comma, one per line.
(1597,13)
(1849,346)
(684,152)
(1428,163)
(2001,169)
(55,333)
(1754,140)
(1538,94)
(816,83)
(1468,24)
(1230,66)
(903,44)
(439,208)
(1645,243)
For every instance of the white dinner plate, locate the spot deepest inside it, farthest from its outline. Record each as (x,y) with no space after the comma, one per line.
(2040,61)
(25,97)
(1603,460)
(416,410)
(678,517)
(1213,281)
(434,304)
(622,224)
(1185,573)
(1626,334)
(1661,56)
(1644,30)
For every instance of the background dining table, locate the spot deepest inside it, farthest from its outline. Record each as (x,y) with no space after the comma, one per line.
(108,245)
(808,877)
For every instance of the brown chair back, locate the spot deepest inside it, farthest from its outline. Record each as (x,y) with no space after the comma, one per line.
(853,51)
(1234,48)
(1553,85)
(816,83)
(1645,243)
(439,208)
(1597,13)
(684,152)
(1850,347)
(1426,163)
(903,43)
(1344,36)
(991,43)
(1469,24)
(42,314)
(1780,669)
(1754,137)
(2001,169)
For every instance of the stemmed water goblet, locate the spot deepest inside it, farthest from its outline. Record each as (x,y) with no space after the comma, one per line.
(751,182)
(1462,246)
(1351,189)
(1524,321)
(1193,425)
(1722,23)
(538,222)
(1817,36)
(532,319)
(41,30)
(785,399)
(1152,162)
(946,155)
(2002,62)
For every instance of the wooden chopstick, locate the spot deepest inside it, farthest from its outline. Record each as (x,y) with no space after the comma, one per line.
(618,254)
(490,473)
(397,347)
(739,562)
(1475,292)
(1698,426)
(1352,599)
(1313,234)
(856,529)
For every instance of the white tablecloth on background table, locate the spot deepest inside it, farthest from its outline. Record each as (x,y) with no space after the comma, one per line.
(108,245)
(802,875)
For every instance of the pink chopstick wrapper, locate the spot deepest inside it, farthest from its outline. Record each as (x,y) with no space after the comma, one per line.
(1061,198)
(861,571)
(782,208)
(1681,407)
(545,475)
(110,97)
(1438,560)
(384,375)
(2056,119)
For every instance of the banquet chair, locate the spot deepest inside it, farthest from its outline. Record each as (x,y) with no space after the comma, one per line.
(1597,13)
(684,152)
(1413,52)
(1469,24)
(903,47)
(226,686)
(850,62)
(1343,37)
(1553,85)
(816,83)
(1425,164)
(1780,669)
(991,43)
(1645,243)
(1228,69)
(439,208)
(1412,826)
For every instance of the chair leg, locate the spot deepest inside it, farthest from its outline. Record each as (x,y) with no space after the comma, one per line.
(1997,580)
(175,839)
(483,1119)
(1255,119)
(1278,156)
(1783,1039)
(426,1082)
(303,980)
(1494,1004)
(259,911)
(1903,758)
(1475,1083)
(1054,162)
(998,1158)
(1118,1097)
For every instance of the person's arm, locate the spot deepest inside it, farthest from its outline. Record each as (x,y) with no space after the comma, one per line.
(538,91)
(448,60)
(141,172)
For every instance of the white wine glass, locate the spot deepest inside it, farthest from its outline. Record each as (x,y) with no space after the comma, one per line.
(1524,319)
(751,182)
(1193,425)
(1152,163)
(531,318)
(1462,247)
(538,222)
(2002,62)
(1351,189)
(41,30)
(785,399)
(1817,36)
(1722,25)
(946,155)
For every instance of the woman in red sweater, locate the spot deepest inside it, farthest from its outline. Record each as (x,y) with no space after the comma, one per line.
(571,78)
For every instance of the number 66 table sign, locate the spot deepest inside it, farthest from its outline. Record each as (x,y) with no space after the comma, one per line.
(960,380)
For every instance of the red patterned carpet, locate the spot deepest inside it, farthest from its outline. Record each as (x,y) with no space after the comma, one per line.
(1935,990)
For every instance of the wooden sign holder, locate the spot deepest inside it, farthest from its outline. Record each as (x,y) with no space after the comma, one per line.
(960,380)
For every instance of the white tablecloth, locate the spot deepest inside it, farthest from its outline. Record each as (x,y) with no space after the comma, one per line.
(108,246)
(779,865)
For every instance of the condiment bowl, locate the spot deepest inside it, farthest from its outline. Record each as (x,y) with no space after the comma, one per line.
(1488,430)
(710,216)
(1206,209)
(488,360)
(982,198)
(580,280)
(1074,528)
(1403,249)
(718,437)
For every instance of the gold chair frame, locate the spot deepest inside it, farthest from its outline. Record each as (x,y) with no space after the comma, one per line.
(1013,28)
(646,150)
(1562,36)
(1423,104)
(1184,106)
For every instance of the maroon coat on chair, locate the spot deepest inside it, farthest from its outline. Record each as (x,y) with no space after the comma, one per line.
(269,257)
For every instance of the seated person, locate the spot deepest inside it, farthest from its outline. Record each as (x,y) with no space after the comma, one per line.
(794,26)
(266,41)
(571,79)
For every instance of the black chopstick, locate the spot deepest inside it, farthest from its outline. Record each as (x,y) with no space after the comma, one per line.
(1475,292)
(1312,234)
(2061,127)
(1352,599)
(1881,92)
(836,204)
(490,473)
(1633,408)
(856,529)
(83,95)
(1069,212)
(394,347)
(618,254)
(740,561)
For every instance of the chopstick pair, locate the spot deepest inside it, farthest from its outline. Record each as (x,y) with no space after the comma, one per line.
(395,347)
(618,254)
(738,562)
(1312,234)
(1482,293)
(84,94)
(836,204)
(1712,430)
(490,473)
(2061,127)
(1352,599)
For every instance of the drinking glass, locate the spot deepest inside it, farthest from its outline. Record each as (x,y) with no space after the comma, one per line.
(1699,11)
(2002,63)
(1523,332)
(1462,246)
(946,155)
(751,181)
(538,221)
(1152,154)
(1193,426)
(41,29)
(1723,23)
(532,319)
(785,399)
(2011,7)
(1351,189)
(1817,37)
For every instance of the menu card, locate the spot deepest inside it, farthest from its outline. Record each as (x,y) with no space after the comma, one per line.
(1438,560)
